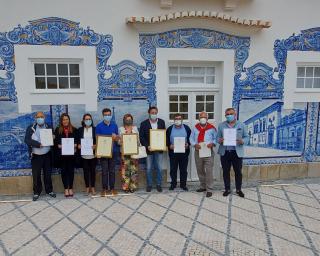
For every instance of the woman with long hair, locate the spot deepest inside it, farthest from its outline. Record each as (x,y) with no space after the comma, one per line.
(67,162)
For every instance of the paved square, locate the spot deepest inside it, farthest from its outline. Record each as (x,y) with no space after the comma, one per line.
(271,220)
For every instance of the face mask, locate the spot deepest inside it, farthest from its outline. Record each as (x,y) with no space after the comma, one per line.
(40,121)
(88,122)
(128,122)
(107,118)
(153,116)
(230,118)
(203,120)
(178,122)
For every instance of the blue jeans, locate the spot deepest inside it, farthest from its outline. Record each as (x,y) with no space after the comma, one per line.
(154,161)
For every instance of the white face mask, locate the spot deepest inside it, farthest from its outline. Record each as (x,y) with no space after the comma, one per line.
(203,120)
(178,122)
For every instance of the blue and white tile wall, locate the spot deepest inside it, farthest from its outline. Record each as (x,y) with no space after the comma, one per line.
(275,132)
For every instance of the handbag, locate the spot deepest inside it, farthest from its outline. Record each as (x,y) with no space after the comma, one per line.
(142,153)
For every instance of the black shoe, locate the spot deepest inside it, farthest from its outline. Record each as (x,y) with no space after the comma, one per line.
(159,188)
(52,194)
(240,193)
(201,190)
(172,187)
(185,188)
(35,197)
(148,189)
(226,193)
(209,194)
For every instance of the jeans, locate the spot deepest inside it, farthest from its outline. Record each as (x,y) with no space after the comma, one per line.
(154,161)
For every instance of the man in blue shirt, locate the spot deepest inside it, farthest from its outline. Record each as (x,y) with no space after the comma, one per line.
(204,135)
(108,127)
(232,154)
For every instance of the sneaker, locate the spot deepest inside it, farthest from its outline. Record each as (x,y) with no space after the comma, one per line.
(103,193)
(114,192)
(159,188)
(226,193)
(185,188)
(52,194)
(172,187)
(148,189)
(201,190)
(209,194)
(35,197)
(240,193)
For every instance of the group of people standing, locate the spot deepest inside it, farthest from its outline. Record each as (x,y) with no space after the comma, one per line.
(204,134)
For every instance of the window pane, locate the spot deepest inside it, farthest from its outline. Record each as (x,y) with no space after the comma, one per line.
(199,107)
(173,70)
(209,107)
(188,79)
(309,72)
(211,71)
(300,82)
(185,116)
(171,116)
(173,107)
(39,69)
(173,79)
(316,83)
(210,116)
(317,71)
(51,69)
(197,116)
(63,82)
(40,83)
(209,97)
(183,97)
(186,70)
(52,83)
(74,82)
(173,97)
(200,98)
(199,71)
(308,82)
(63,69)
(210,80)
(300,72)
(74,69)
(183,107)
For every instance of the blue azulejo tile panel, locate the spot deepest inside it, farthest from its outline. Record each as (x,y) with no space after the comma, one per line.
(318,134)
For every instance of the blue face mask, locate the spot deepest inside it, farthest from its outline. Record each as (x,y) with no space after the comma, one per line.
(230,118)
(107,118)
(40,121)
(88,122)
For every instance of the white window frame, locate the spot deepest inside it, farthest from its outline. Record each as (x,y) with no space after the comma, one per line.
(313,77)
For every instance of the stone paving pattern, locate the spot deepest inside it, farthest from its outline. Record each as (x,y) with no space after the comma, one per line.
(270,220)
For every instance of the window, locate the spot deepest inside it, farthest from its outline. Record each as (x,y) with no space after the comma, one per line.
(179,104)
(205,103)
(191,75)
(308,77)
(57,76)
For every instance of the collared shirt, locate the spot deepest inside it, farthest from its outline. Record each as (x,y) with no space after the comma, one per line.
(210,136)
(154,125)
(177,132)
(108,129)
(36,136)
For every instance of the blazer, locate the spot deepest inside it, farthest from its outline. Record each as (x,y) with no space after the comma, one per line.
(58,138)
(144,133)
(241,133)
(188,130)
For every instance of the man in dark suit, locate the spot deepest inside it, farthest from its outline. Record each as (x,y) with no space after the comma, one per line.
(154,159)
(178,159)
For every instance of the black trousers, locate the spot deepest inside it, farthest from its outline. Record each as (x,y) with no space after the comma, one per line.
(89,171)
(179,160)
(108,172)
(228,159)
(67,171)
(43,162)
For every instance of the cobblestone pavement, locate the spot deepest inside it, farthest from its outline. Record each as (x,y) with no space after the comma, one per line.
(270,220)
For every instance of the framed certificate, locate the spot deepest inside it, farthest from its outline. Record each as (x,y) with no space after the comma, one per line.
(158,140)
(104,146)
(129,144)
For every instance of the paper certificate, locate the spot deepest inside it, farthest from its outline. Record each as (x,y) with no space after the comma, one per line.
(179,144)
(230,137)
(67,146)
(104,146)
(204,151)
(158,140)
(46,138)
(86,147)
(129,144)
